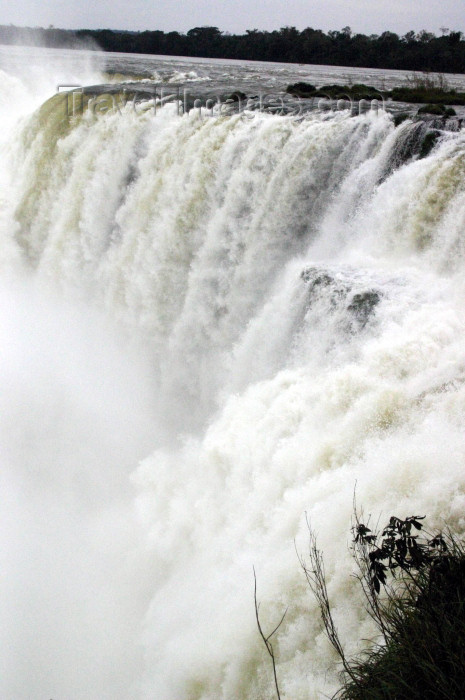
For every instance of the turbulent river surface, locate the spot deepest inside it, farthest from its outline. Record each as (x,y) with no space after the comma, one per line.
(212,330)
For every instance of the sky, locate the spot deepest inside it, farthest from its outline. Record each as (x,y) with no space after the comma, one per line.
(235,16)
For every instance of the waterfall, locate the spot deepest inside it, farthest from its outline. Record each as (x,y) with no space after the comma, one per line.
(211,328)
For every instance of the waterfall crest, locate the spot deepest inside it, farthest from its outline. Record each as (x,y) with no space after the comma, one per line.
(289,295)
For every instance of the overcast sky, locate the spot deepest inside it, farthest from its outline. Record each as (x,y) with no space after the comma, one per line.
(366,16)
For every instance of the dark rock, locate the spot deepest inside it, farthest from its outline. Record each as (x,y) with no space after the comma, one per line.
(340,294)
(400,118)
(362,305)
(237,96)
(317,278)
(428,143)
(406,146)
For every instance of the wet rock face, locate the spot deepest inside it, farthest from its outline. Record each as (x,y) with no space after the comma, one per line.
(417,139)
(406,147)
(322,284)
(363,304)
(341,295)
(428,143)
(316,278)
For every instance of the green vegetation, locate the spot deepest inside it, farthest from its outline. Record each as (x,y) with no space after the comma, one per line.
(415,592)
(433,96)
(414,588)
(432,90)
(302,89)
(358,91)
(438,109)
(428,89)
(412,51)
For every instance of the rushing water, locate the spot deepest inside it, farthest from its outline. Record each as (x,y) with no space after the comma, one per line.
(208,328)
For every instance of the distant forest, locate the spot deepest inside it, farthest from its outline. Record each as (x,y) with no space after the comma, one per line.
(420,51)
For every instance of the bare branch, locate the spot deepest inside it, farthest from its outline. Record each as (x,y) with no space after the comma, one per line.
(266,639)
(316,579)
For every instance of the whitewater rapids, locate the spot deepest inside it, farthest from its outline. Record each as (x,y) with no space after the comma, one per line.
(210,327)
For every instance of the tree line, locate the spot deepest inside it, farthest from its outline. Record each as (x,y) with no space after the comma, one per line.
(421,51)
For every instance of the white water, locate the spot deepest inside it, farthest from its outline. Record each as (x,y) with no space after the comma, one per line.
(176,395)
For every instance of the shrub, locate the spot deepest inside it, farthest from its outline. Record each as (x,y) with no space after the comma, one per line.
(428,81)
(301,89)
(438,109)
(427,96)
(415,592)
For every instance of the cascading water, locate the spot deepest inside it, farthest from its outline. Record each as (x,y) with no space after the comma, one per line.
(211,327)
